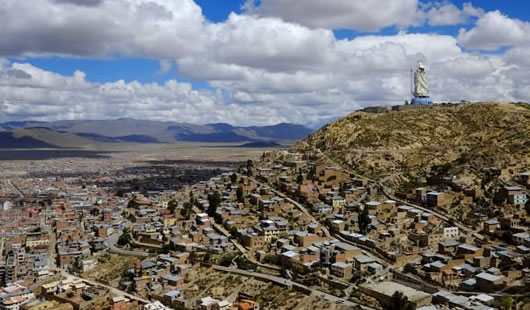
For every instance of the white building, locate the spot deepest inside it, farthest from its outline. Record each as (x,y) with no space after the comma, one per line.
(322,208)
(450,232)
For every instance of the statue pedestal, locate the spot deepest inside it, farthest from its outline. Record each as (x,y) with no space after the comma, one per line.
(421,100)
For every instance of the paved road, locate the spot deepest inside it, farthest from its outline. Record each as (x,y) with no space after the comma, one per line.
(286,282)
(22,195)
(116,250)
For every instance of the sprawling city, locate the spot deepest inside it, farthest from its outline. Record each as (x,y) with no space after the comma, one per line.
(289,229)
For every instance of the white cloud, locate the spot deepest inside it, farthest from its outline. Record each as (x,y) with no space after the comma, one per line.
(267,43)
(449,14)
(519,55)
(50,96)
(157,28)
(494,30)
(469,10)
(365,15)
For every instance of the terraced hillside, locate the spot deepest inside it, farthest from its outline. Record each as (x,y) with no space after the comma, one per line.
(403,145)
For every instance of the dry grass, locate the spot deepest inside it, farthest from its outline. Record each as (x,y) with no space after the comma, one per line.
(110,271)
(410,142)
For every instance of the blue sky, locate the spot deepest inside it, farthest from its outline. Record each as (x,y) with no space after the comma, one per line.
(191,60)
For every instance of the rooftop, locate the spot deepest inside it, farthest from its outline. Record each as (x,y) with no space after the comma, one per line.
(389,288)
(488,277)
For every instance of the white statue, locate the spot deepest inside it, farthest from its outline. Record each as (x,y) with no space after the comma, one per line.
(421,87)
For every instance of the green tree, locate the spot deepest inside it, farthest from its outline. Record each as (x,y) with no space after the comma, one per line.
(234,232)
(76,267)
(192,257)
(399,302)
(311,174)
(186,209)
(125,238)
(120,193)
(172,205)
(233,178)
(166,248)
(214,201)
(240,194)
(94,212)
(243,263)
(300,177)
(442,170)
(133,203)
(207,257)
(271,259)
(409,268)
(505,302)
(499,197)
(250,165)
(364,220)
(507,236)
(227,259)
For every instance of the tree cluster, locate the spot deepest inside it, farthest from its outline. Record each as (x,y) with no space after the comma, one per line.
(214,201)
(172,205)
(133,203)
(364,220)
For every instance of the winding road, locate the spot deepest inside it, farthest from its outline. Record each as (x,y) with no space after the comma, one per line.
(289,283)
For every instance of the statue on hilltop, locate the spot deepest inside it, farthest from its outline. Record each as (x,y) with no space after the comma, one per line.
(421,86)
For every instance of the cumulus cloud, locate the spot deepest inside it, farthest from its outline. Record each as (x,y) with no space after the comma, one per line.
(267,43)
(50,96)
(366,15)
(494,30)
(18,74)
(81,2)
(449,14)
(157,28)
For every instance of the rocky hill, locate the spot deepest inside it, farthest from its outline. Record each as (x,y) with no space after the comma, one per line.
(404,146)
(40,137)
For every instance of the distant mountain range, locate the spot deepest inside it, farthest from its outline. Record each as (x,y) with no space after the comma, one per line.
(79,133)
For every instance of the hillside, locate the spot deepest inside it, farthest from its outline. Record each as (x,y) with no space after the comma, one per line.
(144,131)
(39,137)
(402,146)
(8,140)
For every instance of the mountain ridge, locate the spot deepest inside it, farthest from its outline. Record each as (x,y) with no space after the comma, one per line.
(127,130)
